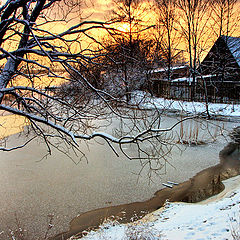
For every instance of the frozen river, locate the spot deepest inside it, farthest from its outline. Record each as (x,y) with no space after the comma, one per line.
(31,189)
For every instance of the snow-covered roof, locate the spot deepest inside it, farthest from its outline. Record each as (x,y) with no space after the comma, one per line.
(190,79)
(165,69)
(233,44)
(183,79)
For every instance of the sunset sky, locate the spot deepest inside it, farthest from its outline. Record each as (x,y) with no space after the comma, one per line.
(97,9)
(101,10)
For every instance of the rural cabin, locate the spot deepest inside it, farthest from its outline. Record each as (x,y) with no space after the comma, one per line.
(174,88)
(222,62)
(220,70)
(218,76)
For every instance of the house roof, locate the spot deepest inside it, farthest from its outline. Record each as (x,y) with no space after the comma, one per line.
(233,44)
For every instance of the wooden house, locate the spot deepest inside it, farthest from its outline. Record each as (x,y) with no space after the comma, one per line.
(162,86)
(219,72)
(175,72)
(222,62)
(217,80)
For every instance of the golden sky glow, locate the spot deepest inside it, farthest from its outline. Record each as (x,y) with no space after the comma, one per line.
(124,27)
(100,10)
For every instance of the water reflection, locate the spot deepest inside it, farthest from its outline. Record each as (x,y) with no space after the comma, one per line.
(34,189)
(11,124)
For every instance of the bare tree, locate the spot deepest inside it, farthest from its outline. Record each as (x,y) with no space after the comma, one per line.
(128,43)
(131,68)
(31,49)
(225,17)
(25,39)
(130,14)
(168,36)
(193,21)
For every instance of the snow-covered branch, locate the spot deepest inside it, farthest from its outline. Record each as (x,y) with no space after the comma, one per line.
(83,98)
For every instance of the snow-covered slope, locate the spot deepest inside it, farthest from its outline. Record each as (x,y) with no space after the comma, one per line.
(215,218)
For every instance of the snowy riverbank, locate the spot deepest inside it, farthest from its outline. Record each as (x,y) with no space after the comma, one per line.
(214,218)
(221,111)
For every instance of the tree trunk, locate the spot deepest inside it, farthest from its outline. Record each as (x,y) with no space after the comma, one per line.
(6,75)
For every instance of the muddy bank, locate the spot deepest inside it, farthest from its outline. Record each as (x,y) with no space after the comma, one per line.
(203,185)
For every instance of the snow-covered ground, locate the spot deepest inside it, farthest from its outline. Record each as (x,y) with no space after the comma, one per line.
(215,218)
(215,109)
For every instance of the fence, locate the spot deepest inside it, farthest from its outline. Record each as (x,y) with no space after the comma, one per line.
(216,92)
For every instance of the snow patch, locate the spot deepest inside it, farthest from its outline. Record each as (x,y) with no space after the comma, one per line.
(145,101)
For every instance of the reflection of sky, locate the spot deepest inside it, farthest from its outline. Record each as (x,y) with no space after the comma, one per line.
(11,124)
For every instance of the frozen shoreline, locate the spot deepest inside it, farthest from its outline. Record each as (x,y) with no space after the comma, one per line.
(202,186)
(214,218)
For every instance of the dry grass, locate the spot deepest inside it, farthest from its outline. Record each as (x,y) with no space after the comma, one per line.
(193,134)
(235,135)
(142,232)
(235,227)
(20,232)
(135,230)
